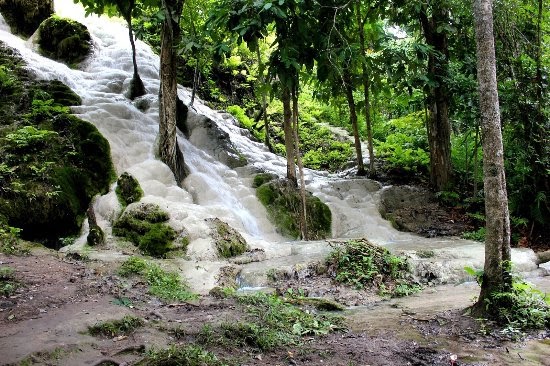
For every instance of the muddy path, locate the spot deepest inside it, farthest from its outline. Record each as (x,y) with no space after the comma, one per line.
(45,322)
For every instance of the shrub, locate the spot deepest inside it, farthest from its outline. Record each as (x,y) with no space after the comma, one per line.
(361,264)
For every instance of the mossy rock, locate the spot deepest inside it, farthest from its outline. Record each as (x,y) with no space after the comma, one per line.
(96,236)
(128,189)
(144,224)
(24,16)
(64,40)
(229,242)
(51,162)
(262,178)
(282,200)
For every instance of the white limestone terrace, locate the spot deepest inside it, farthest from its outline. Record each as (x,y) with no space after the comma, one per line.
(212,189)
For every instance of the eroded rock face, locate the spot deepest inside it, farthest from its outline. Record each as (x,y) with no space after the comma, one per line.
(64,40)
(418,211)
(24,16)
(204,132)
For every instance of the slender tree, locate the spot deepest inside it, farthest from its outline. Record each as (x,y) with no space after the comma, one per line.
(127,9)
(169,150)
(496,275)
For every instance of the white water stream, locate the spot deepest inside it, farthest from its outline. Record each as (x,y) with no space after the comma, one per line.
(212,189)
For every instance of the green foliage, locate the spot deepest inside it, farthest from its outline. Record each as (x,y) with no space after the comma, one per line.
(478,235)
(113,328)
(403,143)
(477,274)
(8,284)
(521,308)
(29,138)
(270,323)
(163,284)
(9,240)
(361,264)
(188,355)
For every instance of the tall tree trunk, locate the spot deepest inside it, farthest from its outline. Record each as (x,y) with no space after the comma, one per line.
(289,136)
(366,87)
(353,120)
(169,150)
(439,126)
(496,275)
(264,97)
(303,205)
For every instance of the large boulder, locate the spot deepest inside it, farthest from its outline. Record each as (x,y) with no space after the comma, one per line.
(24,16)
(64,40)
(282,201)
(229,242)
(51,163)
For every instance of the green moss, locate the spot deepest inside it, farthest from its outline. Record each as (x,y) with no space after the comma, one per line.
(128,189)
(24,16)
(260,179)
(282,201)
(228,241)
(64,40)
(51,163)
(144,225)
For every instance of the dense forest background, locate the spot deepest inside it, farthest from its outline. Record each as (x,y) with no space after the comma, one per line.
(400,76)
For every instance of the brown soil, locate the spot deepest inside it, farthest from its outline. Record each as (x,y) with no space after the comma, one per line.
(45,322)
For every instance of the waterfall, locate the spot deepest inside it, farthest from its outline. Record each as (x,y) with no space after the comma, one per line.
(212,189)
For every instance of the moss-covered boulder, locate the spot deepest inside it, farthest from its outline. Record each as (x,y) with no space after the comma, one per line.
(282,200)
(128,189)
(229,242)
(64,40)
(145,225)
(24,16)
(51,163)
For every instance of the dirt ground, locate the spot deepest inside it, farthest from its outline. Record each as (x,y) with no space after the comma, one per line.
(45,323)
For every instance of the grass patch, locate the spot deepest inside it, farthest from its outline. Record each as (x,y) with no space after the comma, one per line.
(360,264)
(8,284)
(191,355)
(269,323)
(163,284)
(115,328)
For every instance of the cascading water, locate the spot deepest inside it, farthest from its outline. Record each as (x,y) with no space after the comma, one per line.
(211,189)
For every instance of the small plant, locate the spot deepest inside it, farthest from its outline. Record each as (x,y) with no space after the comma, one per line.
(190,355)
(8,285)
(361,264)
(113,328)
(163,284)
(10,243)
(478,235)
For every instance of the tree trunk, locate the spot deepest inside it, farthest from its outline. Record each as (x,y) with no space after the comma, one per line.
(137,89)
(496,275)
(264,98)
(303,205)
(195,84)
(366,87)
(169,150)
(289,136)
(353,120)
(439,126)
